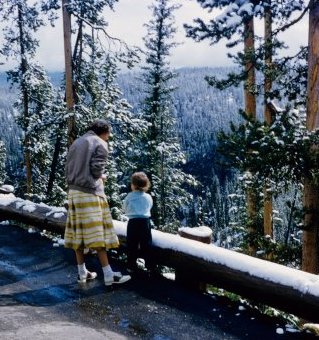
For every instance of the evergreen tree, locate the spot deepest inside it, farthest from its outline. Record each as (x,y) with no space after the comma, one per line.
(236,25)
(35,91)
(96,94)
(162,158)
(3,174)
(230,25)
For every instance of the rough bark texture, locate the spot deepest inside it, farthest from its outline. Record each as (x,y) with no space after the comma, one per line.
(68,71)
(25,101)
(268,206)
(310,260)
(250,109)
(249,50)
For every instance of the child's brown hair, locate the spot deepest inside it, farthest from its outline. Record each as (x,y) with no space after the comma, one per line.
(140,181)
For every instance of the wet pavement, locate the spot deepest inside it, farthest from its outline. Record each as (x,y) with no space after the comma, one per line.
(40,299)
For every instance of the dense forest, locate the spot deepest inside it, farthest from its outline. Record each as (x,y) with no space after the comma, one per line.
(234,149)
(200,112)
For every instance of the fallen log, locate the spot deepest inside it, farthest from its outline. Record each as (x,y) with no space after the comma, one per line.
(287,289)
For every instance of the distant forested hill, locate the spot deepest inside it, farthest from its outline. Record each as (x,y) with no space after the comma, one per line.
(200,110)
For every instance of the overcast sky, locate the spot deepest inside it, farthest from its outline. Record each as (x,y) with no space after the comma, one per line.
(127,23)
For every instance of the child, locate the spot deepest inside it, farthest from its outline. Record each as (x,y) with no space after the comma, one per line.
(137,207)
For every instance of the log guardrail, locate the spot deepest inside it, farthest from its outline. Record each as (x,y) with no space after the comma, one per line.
(287,289)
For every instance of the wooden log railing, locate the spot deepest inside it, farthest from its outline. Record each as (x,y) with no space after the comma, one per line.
(287,289)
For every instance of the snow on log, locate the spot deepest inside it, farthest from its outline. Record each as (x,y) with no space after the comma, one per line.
(288,289)
(40,215)
(285,288)
(202,233)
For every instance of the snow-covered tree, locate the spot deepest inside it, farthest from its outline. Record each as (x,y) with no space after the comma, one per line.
(230,25)
(95,92)
(35,91)
(162,158)
(285,149)
(3,158)
(236,23)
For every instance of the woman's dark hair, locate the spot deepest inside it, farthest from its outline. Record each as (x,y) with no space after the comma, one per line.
(140,181)
(99,127)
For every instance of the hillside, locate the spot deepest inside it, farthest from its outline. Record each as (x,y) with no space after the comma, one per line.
(200,110)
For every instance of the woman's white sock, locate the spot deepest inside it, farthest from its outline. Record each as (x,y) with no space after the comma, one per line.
(82,270)
(107,271)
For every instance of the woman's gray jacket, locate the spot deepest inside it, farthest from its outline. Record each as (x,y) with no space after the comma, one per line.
(86,162)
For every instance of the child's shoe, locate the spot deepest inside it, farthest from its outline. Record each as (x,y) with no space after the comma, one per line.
(116,277)
(89,276)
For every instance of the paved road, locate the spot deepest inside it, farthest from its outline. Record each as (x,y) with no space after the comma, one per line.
(40,299)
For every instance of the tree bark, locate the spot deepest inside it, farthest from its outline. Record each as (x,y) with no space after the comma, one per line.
(25,99)
(68,72)
(310,259)
(250,85)
(250,109)
(268,206)
(55,158)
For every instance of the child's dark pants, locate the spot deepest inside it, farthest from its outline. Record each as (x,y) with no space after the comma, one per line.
(139,240)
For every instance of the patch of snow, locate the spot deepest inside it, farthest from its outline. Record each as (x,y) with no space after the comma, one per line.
(25,205)
(7,199)
(8,188)
(201,231)
(4,222)
(57,212)
(170,276)
(61,241)
(29,207)
(58,215)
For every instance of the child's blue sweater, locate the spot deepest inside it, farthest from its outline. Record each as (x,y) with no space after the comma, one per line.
(137,204)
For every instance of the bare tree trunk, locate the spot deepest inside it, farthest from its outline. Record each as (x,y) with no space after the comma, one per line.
(250,109)
(68,71)
(55,158)
(249,50)
(310,258)
(25,96)
(268,227)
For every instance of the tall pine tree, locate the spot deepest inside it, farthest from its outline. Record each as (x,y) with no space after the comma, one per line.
(162,158)
(235,24)
(35,91)
(95,92)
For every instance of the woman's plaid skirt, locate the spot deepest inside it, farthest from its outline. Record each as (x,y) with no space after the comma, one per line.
(89,222)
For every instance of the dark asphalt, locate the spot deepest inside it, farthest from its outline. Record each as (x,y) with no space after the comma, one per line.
(40,299)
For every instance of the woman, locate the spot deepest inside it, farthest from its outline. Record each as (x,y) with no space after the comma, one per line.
(89,222)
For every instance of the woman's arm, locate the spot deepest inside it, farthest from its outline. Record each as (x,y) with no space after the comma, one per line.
(98,161)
